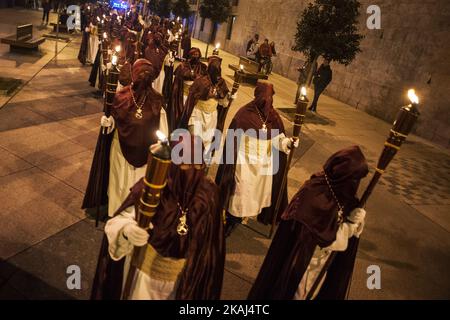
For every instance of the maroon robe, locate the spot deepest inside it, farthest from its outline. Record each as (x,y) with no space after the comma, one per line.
(186,71)
(137,135)
(204,88)
(203,247)
(247,118)
(128,57)
(311,220)
(155,51)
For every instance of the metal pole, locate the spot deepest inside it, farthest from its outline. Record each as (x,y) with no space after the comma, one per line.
(57,32)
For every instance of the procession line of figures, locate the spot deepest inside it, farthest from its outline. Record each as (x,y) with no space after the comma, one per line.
(189,264)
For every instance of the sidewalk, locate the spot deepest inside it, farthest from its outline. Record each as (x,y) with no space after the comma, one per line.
(48,133)
(20,66)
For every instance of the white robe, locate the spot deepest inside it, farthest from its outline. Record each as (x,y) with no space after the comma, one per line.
(318,261)
(254,175)
(122,175)
(143,286)
(204,120)
(92,46)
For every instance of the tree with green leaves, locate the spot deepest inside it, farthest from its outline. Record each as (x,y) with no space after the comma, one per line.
(161,7)
(218,12)
(181,9)
(328,28)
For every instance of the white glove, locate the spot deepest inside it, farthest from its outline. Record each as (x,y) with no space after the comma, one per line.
(287,144)
(294,143)
(106,122)
(137,236)
(358,216)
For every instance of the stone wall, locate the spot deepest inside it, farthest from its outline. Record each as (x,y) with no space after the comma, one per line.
(412,49)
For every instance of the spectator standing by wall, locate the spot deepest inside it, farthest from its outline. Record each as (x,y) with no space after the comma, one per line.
(322,79)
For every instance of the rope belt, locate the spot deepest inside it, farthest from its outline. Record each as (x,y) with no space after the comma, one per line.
(161,268)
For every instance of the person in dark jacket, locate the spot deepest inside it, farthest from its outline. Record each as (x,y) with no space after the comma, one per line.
(46,11)
(322,79)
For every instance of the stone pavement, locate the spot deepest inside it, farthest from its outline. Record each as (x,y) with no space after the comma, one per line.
(48,133)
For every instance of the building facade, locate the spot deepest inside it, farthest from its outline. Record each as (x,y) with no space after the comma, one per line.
(410,50)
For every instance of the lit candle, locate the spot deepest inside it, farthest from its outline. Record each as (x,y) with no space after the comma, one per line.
(161,136)
(303,93)
(241,67)
(217,46)
(105,35)
(114,60)
(118,48)
(413,97)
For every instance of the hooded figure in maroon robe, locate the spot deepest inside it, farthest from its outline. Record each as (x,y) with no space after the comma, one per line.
(136,115)
(202,248)
(237,182)
(155,51)
(137,134)
(185,74)
(312,221)
(204,88)
(128,57)
(158,54)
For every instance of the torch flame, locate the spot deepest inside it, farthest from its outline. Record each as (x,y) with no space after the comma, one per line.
(114,60)
(218,45)
(303,91)
(161,136)
(413,97)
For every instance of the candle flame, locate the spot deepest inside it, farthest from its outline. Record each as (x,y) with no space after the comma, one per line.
(241,67)
(413,97)
(218,45)
(98,19)
(161,136)
(114,60)
(303,91)
(105,35)
(118,48)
